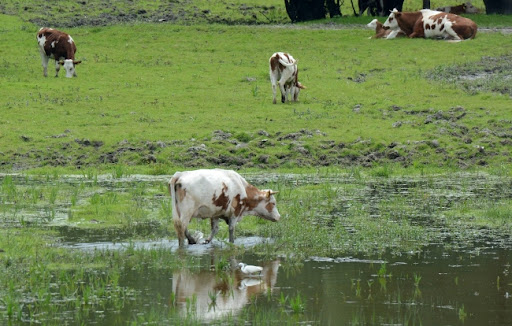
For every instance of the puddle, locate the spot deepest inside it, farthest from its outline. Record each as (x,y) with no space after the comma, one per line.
(172,245)
(437,287)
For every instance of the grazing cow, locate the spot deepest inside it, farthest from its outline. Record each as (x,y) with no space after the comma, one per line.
(59,46)
(432,24)
(283,70)
(381,32)
(217,194)
(464,8)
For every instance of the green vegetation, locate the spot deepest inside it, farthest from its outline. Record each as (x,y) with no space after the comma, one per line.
(153,98)
(369,161)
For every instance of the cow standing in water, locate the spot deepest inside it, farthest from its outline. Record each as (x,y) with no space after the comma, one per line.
(59,46)
(216,194)
(284,72)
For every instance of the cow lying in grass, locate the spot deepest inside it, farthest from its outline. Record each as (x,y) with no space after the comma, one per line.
(428,23)
(382,32)
(464,8)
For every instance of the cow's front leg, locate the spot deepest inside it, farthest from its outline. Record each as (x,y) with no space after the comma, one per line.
(57,68)
(232,223)
(215,228)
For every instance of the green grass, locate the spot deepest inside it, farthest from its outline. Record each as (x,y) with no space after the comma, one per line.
(149,93)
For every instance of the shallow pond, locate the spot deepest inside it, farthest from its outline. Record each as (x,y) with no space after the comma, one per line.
(467,286)
(452,279)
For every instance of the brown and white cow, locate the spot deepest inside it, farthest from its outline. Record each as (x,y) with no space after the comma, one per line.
(284,71)
(432,24)
(464,8)
(216,194)
(382,32)
(59,46)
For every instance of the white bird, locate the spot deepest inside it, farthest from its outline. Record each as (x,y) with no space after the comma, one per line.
(250,269)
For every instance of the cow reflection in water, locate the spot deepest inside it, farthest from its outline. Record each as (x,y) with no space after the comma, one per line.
(229,296)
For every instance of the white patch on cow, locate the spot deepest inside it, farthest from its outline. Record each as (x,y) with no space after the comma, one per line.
(53,44)
(434,26)
(372,24)
(42,41)
(393,34)
(69,66)
(391,22)
(70,40)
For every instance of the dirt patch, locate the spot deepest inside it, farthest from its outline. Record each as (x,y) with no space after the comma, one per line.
(490,74)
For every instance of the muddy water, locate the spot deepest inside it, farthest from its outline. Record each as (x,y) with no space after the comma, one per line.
(463,282)
(467,286)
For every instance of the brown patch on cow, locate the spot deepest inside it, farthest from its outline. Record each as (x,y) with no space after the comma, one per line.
(441,28)
(433,26)
(407,22)
(237,205)
(222,200)
(253,197)
(439,21)
(180,192)
(427,26)
(274,62)
(61,47)
(269,207)
(440,16)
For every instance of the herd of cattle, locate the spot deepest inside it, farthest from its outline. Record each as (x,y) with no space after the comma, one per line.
(224,194)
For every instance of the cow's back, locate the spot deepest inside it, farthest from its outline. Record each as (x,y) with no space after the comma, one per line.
(56,44)
(208,192)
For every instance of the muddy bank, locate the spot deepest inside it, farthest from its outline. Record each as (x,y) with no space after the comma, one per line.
(457,144)
(104,12)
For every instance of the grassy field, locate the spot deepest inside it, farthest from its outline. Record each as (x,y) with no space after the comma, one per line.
(161,96)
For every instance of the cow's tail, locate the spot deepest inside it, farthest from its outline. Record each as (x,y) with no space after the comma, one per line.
(288,64)
(173,186)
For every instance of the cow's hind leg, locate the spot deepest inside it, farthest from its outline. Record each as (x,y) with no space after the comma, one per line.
(273,81)
(215,228)
(44,62)
(190,239)
(180,231)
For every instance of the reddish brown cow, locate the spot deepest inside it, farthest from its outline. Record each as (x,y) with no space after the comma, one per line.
(432,24)
(381,32)
(464,8)
(59,46)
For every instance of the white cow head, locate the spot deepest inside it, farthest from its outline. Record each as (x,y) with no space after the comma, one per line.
(372,24)
(391,22)
(267,208)
(69,66)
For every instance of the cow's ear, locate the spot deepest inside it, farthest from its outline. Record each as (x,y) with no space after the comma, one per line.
(268,194)
(77,62)
(61,63)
